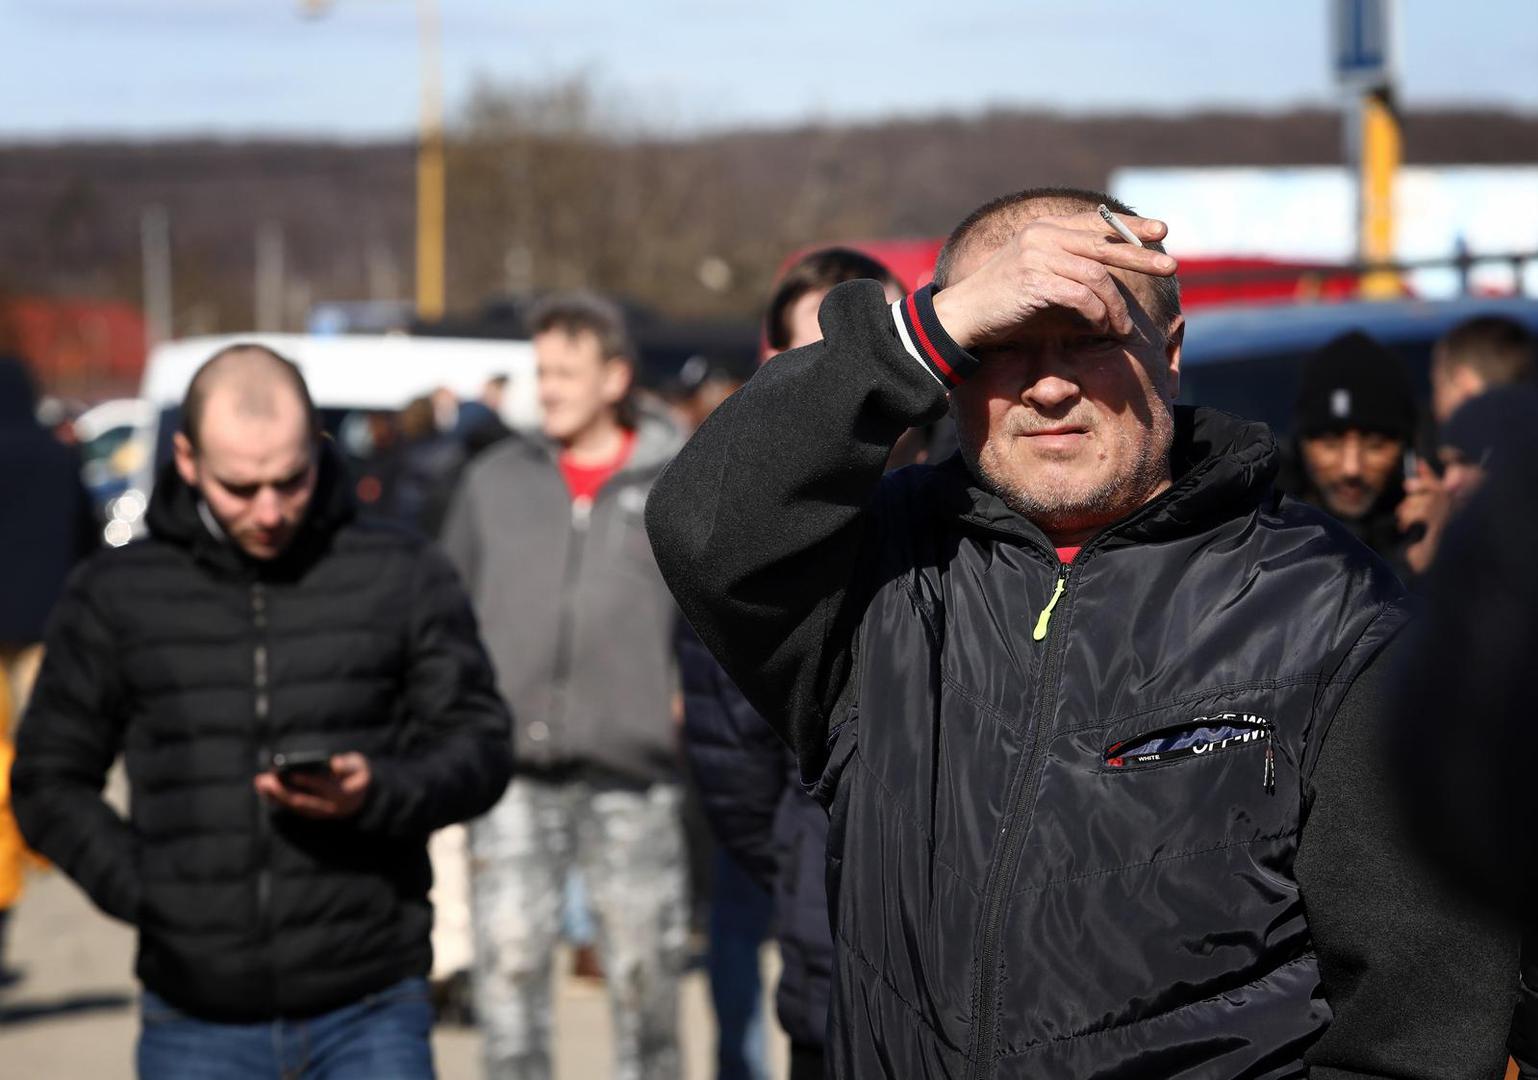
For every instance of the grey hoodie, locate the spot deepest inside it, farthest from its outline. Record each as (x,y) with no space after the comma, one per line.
(574,613)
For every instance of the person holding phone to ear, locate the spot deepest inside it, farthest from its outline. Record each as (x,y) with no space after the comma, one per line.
(1355,421)
(301,698)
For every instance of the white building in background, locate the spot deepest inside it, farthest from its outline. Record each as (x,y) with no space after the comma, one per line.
(1310,214)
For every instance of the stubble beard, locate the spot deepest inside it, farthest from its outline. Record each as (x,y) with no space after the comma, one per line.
(1059,505)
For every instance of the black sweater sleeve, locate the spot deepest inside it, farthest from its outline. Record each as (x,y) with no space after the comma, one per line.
(1420,984)
(71,735)
(759,523)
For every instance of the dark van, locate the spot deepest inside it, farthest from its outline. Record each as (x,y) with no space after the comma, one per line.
(1247,360)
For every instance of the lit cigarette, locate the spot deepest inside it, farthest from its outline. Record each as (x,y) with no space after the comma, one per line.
(1120,226)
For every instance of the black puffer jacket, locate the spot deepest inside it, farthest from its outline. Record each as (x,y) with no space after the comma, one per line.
(749,783)
(198,664)
(1017,891)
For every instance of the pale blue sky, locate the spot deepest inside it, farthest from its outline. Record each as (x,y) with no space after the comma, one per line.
(234,67)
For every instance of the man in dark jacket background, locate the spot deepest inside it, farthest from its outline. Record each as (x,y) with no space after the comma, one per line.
(748,779)
(49,523)
(48,526)
(1098,715)
(1469,798)
(1480,356)
(282,915)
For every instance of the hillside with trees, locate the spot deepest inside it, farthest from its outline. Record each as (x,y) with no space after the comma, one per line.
(547,190)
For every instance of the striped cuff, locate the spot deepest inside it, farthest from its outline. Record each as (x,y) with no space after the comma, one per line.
(926,340)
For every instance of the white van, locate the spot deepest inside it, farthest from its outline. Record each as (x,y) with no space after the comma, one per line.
(348,376)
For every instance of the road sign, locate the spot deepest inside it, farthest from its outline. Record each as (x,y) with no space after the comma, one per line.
(1364,43)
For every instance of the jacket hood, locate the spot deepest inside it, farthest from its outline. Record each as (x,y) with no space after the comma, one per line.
(1220,464)
(174,518)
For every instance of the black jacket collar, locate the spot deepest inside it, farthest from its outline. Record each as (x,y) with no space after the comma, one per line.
(173,517)
(1222,465)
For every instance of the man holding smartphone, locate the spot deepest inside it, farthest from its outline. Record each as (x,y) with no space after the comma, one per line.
(301,698)
(1096,714)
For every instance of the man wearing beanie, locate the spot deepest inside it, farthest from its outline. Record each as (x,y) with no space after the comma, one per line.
(1354,419)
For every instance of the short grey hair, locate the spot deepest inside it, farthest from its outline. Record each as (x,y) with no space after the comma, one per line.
(997,220)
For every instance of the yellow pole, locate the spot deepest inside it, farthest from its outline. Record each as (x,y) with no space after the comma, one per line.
(430,171)
(1381,152)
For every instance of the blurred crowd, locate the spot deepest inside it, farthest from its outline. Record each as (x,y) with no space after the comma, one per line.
(432,623)
(602,839)
(1364,453)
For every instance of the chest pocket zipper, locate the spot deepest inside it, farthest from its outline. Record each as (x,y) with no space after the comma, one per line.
(1130,753)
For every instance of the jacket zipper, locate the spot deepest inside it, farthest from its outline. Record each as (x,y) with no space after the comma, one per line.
(262,708)
(576,542)
(1012,836)
(1266,728)
(581,526)
(1045,618)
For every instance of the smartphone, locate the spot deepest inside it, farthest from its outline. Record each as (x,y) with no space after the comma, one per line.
(291,763)
(1416,532)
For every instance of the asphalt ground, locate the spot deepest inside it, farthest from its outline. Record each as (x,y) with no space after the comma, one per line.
(74,1014)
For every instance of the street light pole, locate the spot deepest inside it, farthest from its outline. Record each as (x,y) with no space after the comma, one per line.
(430,170)
(155,243)
(1366,65)
(1379,164)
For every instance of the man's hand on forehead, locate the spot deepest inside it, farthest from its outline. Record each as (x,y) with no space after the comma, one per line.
(1051,270)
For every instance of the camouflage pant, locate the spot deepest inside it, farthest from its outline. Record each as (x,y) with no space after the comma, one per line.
(629,847)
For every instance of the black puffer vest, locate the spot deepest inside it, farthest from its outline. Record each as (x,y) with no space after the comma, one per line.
(1031,898)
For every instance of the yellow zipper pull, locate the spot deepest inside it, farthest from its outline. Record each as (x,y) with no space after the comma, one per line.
(1046,612)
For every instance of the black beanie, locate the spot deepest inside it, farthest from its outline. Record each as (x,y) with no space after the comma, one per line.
(1353,382)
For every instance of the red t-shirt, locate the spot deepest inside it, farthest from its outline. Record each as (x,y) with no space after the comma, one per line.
(583,481)
(1068,554)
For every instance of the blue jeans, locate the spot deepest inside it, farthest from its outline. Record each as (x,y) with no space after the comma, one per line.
(739,922)
(577,925)
(384,1036)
